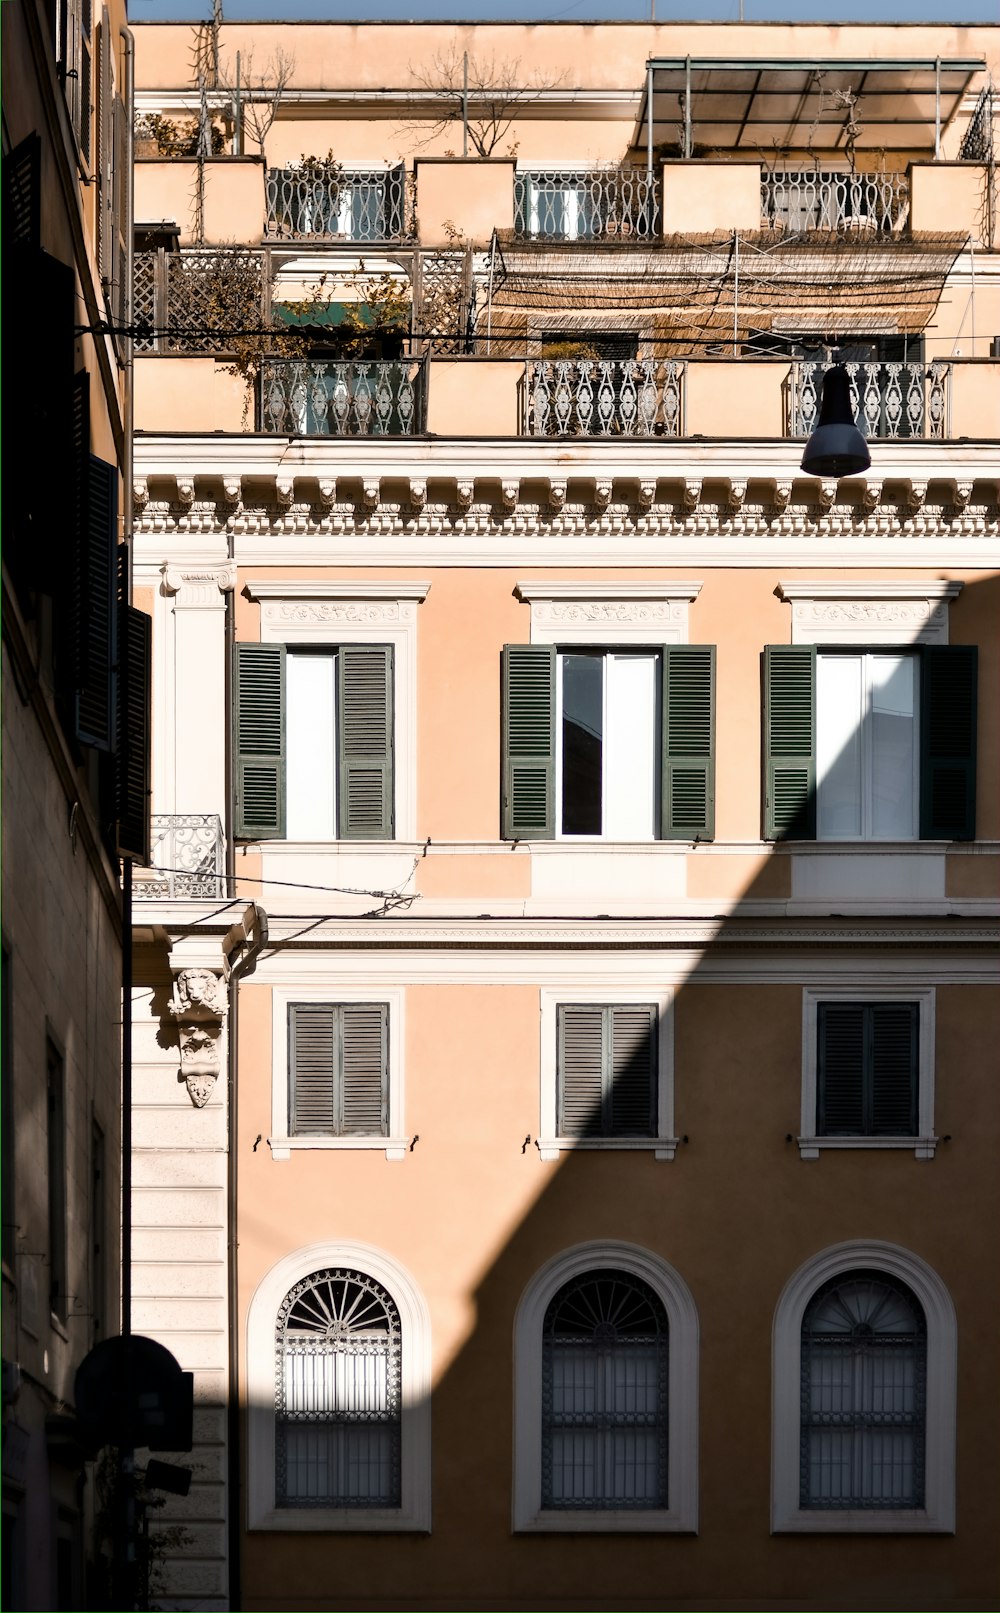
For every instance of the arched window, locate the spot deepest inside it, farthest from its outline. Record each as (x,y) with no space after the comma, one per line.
(864,1364)
(864,1373)
(337,1395)
(604,1395)
(338,1387)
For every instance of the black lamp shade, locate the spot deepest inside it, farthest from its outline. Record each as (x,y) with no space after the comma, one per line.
(836,447)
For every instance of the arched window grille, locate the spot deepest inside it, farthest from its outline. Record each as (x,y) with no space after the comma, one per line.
(338,1394)
(864,1395)
(604,1395)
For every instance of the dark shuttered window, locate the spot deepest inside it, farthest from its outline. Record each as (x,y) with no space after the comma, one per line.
(338,1069)
(948,742)
(529,745)
(133,718)
(789,742)
(688,785)
(364,697)
(607,1075)
(867,1069)
(94,605)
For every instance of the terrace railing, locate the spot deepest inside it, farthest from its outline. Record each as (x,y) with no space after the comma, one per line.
(599,204)
(188,858)
(890,399)
(815,199)
(314,201)
(332,398)
(603,398)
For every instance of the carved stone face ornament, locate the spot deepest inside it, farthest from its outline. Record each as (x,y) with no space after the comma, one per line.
(199,1007)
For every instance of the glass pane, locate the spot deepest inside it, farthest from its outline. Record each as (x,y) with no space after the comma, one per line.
(839,708)
(894,744)
(311,756)
(631,766)
(582,743)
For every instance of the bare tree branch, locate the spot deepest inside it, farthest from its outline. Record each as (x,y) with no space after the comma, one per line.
(497,92)
(260,96)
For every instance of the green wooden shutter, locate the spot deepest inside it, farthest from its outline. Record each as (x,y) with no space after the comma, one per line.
(789,742)
(688,779)
(365,1070)
(364,731)
(313,1058)
(840,1081)
(893,1054)
(630,1028)
(580,1056)
(259,689)
(948,676)
(529,742)
(133,719)
(94,605)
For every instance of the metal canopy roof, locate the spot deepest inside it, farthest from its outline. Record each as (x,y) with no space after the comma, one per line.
(761,104)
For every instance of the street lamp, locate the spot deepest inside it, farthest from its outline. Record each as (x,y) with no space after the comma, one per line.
(836,447)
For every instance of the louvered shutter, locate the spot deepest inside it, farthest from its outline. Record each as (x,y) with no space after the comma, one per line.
(365,710)
(529,749)
(133,726)
(893,1053)
(688,705)
(840,1107)
(365,1063)
(94,605)
(580,1055)
(22,177)
(312,1062)
(259,680)
(948,679)
(631,1030)
(790,742)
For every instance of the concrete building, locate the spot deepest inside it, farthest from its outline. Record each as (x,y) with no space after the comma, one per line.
(68,808)
(586,1196)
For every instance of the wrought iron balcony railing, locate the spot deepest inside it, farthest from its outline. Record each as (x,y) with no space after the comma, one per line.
(603,398)
(316,201)
(332,398)
(188,858)
(600,204)
(818,199)
(891,399)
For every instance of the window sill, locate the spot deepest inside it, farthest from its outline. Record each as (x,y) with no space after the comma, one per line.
(923,1147)
(394,1147)
(661,1147)
(610,1523)
(341,1520)
(877,1522)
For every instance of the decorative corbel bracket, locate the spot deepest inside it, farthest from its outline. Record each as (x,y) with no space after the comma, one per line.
(185,491)
(418,495)
(140,493)
(557,496)
(690,497)
(231,490)
(602,495)
(463,495)
(510,492)
(370,491)
(871,497)
(914,494)
(198,1007)
(961,494)
(826,495)
(782,495)
(327,494)
(647,493)
(736,493)
(284,491)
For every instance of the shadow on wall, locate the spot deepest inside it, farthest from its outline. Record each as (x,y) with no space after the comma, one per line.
(645,1292)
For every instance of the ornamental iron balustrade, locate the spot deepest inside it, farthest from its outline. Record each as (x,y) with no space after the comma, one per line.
(325,201)
(188,858)
(889,399)
(603,203)
(338,1393)
(330,398)
(977,145)
(863,1396)
(603,398)
(818,199)
(197,301)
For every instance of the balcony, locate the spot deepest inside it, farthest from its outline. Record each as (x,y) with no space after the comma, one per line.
(330,398)
(324,202)
(603,398)
(606,203)
(891,400)
(818,199)
(188,859)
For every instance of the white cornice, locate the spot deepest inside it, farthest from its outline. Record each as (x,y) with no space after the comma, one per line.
(869,590)
(551,588)
(258,589)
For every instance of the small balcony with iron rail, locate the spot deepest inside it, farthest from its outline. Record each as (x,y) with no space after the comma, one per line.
(324,201)
(609,202)
(641,397)
(891,400)
(343,398)
(800,199)
(188,859)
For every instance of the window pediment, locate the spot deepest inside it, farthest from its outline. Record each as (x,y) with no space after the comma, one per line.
(869,612)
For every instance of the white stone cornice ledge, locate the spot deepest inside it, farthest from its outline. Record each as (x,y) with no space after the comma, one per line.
(266,589)
(551,588)
(869,590)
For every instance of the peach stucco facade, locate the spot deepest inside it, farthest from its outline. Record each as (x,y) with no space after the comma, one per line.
(574,453)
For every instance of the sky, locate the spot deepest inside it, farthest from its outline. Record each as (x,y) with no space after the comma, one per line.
(950,11)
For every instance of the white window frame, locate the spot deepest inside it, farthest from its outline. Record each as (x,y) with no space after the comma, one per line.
(605,654)
(937,1516)
(414,1512)
(550,1145)
(925,1142)
(299,614)
(281,1142)
(681,1516)
(865,728)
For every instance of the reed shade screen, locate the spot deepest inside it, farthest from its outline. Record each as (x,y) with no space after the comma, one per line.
(338,1394)
(864,1368)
